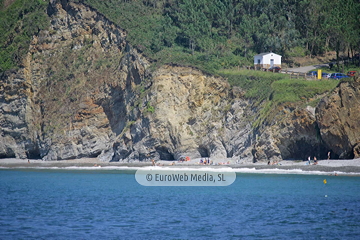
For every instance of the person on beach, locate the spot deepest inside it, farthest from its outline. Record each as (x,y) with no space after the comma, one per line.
(28,161)
(309,160)
(153,162)
(328,155)
(315,161)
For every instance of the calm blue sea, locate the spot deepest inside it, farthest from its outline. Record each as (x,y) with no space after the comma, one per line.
(110,204)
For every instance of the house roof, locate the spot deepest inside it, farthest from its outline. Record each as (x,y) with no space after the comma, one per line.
(263,54)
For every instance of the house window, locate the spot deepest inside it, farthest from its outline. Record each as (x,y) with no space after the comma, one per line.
(258,61)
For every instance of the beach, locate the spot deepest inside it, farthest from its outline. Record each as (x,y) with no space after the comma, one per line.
(332,166)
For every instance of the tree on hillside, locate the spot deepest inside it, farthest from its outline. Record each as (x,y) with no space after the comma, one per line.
(193,23)
(340,25)
(224,33)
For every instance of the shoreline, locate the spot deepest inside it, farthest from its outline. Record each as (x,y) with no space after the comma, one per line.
(340,167)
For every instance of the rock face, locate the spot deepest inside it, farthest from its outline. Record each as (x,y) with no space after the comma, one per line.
(333,126)
(85,92)
(71,98)
(189,113)
(338,116)
(294,134)
(16,138)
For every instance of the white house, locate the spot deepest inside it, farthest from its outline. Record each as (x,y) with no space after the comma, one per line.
(266,60)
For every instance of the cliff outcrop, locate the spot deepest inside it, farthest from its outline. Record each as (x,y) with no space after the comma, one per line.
(85,91)
(292,134)
(17,138)
(338,116)
(67,96)
(188,112)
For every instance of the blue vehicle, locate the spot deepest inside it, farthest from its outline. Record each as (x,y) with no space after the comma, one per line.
(338,76)
(312,73)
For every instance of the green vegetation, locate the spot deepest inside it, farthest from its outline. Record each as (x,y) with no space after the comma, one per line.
(19,21)
(150,108)
(296,90)
(271,90)
(255,83)
(277,88)
(221,34)
(209,34)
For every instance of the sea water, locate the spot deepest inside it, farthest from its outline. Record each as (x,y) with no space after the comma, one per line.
(88,204)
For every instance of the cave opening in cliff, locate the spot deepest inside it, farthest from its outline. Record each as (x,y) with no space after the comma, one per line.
(204,153)
(94,154)
(164,153)
(33,153)
(9,153)
(350,155)
(302,149)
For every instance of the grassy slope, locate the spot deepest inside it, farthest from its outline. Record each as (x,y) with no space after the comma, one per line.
(19,21)
(261,85)
(273,89)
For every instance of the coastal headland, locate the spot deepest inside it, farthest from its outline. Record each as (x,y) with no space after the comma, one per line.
(85,90)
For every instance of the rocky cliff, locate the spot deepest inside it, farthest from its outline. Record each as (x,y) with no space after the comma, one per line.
(338,117)
(187,112)
(85,91)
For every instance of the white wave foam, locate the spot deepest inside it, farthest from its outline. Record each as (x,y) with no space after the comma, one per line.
(209,169)
(79,168)
(288,171)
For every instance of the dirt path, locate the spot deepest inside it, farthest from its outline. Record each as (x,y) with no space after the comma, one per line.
(307,68)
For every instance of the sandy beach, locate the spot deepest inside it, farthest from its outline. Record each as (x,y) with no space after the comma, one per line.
(351,166)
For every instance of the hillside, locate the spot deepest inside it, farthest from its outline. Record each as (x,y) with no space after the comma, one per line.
(210,35)
(84,90)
